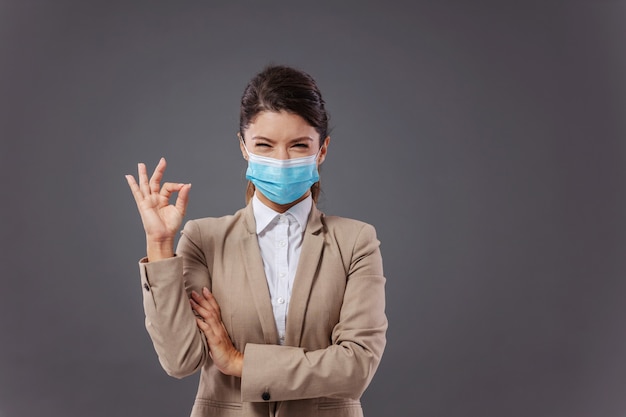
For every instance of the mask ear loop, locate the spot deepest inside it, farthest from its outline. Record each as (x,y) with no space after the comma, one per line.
(250,188)
(244,143)
(317,155)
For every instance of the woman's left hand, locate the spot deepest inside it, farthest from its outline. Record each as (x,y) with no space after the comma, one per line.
(227,359)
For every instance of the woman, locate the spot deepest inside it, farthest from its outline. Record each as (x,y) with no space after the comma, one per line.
(268,338)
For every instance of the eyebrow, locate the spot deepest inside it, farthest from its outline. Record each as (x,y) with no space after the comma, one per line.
(290,141)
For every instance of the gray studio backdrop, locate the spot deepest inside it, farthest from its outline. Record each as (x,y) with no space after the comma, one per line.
(485,140)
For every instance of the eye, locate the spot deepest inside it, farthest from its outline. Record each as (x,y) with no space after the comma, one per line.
(264,145)
(301,145)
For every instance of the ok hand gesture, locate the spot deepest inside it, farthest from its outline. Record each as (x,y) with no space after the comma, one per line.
(161,220)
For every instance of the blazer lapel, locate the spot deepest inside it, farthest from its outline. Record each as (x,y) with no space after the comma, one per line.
(253,263)
(310,256)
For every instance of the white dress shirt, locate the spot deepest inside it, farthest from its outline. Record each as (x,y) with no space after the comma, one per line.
(280,240)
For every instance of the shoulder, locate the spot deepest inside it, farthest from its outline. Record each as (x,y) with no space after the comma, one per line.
(206,227)
(356,243)
(344,223)
(344,228)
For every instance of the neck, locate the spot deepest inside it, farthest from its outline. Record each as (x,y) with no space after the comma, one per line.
(280,208)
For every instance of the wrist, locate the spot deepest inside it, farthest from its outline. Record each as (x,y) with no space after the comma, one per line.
(159,249)
(237,368)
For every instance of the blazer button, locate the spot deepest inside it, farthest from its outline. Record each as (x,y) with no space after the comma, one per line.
(146,287)
(265,396)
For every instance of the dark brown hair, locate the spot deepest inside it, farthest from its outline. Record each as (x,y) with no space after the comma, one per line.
(277,88)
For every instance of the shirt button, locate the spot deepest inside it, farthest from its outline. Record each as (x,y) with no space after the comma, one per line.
(282,275)
(282,243)
(281,300)
(265,396)
(146,287)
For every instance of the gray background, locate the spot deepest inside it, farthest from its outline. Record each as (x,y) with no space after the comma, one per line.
(485,140)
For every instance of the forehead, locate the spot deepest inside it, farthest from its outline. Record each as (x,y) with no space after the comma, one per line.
(280,125)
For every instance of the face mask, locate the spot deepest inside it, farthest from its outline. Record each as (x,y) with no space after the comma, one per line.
(282,181)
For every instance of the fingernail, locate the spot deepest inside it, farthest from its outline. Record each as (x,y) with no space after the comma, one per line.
(194,293)
(205,291)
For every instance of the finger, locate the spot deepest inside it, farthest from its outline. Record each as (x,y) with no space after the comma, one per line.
(211,319)
(200,299)
(134,188)
(204,327)
(208,330)
(217,331)
(203,312)
(203,307)
(211,300)
(170,187)
(183,198)
(157,176)
(209,305)
(143,179)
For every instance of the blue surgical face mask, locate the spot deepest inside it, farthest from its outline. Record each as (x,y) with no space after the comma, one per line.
(282,181)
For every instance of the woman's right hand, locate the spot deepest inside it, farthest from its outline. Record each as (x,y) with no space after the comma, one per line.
(161,220)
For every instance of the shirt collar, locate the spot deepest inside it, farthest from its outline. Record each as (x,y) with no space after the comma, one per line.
(263,215)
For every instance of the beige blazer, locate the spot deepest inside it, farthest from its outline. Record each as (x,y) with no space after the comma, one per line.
(336,323)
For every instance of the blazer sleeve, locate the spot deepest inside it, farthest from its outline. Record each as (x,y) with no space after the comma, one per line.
(179,343)
(345,368)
